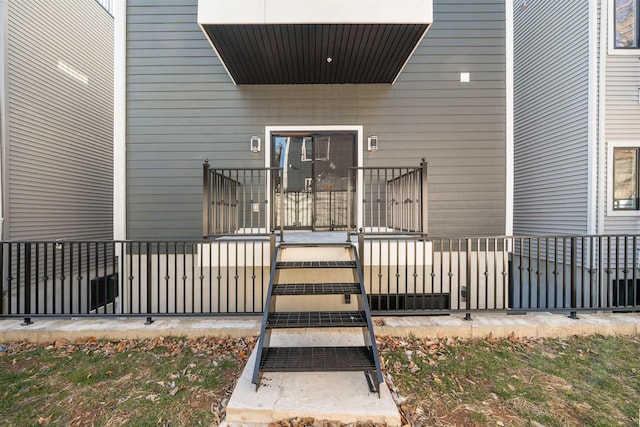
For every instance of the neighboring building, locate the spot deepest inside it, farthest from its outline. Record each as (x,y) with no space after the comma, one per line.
(56,119)
(577,117)
(576,152)
(178,104)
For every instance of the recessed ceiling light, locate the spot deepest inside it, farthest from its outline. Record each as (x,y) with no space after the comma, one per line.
(329,59)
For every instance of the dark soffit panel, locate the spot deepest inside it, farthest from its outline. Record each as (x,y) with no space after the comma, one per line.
(315,53)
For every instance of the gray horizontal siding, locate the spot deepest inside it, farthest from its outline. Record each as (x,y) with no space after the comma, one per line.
(622,123)
(183,108)
(58,172)
(551,80)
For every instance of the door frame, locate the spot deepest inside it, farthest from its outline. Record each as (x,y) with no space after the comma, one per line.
(357,129)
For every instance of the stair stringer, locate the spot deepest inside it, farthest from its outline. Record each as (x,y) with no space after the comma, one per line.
(369,335)
(269,306)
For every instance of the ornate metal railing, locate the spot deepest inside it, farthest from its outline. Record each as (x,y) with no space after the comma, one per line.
(403,275)
(509,274)
(393,199)
(239,200)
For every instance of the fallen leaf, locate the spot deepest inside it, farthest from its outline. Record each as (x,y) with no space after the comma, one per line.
(60,343)
(44,421)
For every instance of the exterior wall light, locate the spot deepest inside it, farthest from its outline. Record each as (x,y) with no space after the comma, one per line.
(255,144)
(372,144)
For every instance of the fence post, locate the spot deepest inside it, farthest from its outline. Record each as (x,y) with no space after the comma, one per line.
(149,281)
(361,246)
(281,208)
(349,206)
(272,244)
(27,284)
(2,309)
(573,266)
(467,315)
(424,205)
(206,198)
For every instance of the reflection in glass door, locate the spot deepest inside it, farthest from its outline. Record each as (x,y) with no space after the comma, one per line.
(314,178)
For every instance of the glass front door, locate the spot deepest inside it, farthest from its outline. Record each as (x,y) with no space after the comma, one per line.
(314,179)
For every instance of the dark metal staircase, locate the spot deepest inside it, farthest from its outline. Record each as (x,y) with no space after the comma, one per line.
(314,359)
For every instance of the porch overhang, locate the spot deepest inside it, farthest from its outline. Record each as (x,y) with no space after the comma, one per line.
(314,41)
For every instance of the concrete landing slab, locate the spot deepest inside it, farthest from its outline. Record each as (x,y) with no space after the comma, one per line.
(336,396)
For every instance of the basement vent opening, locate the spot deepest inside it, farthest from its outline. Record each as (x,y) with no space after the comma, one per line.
(433,301)
(103,291)
(625,294)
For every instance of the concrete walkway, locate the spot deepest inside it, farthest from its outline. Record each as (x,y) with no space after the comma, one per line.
(499,325)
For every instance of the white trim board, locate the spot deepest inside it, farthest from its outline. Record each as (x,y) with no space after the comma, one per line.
(119,121)
(4,111)
(592,120)
(315,12)
(509,137)
(358,129)
(600,150)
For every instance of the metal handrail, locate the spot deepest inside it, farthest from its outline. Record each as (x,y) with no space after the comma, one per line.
(239,201)
(394,199)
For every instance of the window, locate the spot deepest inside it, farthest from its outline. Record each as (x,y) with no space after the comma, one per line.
(625,24)
(323,146)
(306,149)
(625,178)
(308,185)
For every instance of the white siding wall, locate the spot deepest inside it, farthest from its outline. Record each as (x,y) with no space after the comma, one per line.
(622,118)
(551,78)
(58,149)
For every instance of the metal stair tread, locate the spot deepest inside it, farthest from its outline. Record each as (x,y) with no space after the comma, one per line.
(315,359)
(316,288)
(315,264)
(317,319)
